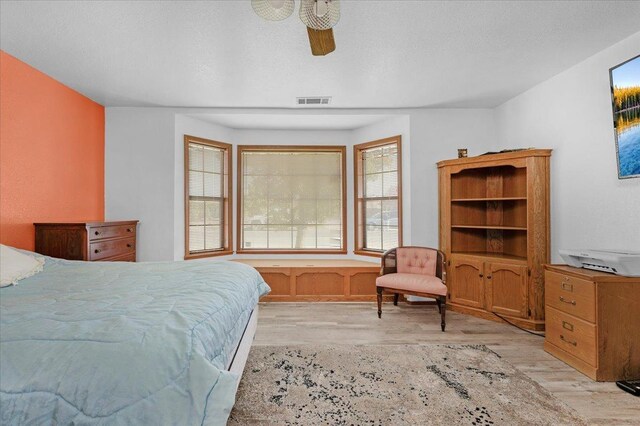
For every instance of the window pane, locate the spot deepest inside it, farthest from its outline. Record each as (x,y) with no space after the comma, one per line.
(372,160)
(213,212)
(389,237)
(373,185)
(390,158)
(254,236)
(213,237)
(280,237)
(213,160)
(390,184)
(279,212)
(212,185)
(255,187)
(196,238)
(373,212)
(304,237)
(304,212)
(196,212)
(195,157)
(373,237)
(329,236)
(196,184)
(329,212)
(291,193)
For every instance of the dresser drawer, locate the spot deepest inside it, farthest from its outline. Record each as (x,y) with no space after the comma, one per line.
(111,248)
(129,257)
(571,334)
(113,231)
(571,295)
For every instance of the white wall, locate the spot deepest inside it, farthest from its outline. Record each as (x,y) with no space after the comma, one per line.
(139,179)
(571,113)
(144,156)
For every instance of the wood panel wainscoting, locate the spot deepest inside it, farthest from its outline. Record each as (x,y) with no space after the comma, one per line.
(313,280)
(494,230)
(592,322)
(89,241)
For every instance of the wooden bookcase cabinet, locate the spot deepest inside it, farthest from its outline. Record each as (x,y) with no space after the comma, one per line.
(494,229)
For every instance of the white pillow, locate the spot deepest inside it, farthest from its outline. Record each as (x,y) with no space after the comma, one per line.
(15,265)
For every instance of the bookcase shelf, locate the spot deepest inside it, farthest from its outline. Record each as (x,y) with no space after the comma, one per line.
(494,230)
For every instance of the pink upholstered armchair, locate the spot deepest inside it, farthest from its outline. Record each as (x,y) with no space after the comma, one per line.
(418,271)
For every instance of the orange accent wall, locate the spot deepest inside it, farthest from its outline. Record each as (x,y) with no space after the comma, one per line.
(51,153)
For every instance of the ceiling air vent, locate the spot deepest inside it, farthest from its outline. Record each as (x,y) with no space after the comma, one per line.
(314,100)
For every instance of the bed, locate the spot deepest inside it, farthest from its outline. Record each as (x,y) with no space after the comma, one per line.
(126,343)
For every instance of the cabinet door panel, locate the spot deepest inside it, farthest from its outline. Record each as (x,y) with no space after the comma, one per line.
(466,283)
(507,289)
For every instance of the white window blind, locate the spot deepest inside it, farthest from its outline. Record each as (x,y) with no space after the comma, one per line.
(206,198)
(379,198)
(292,200)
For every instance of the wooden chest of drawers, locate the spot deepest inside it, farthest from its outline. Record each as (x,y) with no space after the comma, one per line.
(91,241)
(593,321)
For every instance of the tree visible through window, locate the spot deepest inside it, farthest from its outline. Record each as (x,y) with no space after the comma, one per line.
(291,199)
(378,204)
(207,189)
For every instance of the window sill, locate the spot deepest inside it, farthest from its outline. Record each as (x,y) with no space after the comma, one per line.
(262,251)
(207,254)
(368,253)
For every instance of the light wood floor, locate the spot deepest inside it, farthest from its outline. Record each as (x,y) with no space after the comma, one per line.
(357,323)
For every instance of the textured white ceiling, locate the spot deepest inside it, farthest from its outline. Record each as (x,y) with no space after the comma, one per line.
(292,122)
(389,53)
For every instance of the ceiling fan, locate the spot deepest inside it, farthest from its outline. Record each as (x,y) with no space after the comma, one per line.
(319,16)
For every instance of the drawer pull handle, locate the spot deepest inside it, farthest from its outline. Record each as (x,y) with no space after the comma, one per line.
(129,230)
(96,251)
(567,326)
(488,277)
(568,341)
(567,286)
(129,245)
(481,275)
(571,302)
(97,233)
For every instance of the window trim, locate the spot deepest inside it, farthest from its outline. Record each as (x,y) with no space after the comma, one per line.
(227,222)
(358,193)
(291,148)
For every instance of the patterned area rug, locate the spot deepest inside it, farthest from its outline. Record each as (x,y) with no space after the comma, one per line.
(391,385)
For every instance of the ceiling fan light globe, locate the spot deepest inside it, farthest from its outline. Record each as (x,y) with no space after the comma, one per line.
(320,14)
(273,10)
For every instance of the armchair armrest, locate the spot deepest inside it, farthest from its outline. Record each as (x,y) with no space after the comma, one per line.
(441,270)
(389,262)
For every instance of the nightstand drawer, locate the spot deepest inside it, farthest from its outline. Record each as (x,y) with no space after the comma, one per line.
(572,295)
(114,231)
(111,248)
(571,334)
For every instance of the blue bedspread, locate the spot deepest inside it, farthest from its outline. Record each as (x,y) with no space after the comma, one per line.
(123,343)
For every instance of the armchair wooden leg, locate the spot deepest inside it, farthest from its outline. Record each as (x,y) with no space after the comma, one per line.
(439,307)
(395,299)
(443,309)
(379,290)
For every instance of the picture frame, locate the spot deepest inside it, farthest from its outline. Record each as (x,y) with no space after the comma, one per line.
(624,81)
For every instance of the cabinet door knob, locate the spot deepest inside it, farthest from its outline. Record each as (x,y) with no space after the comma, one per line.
(96,251)
(481,275)
(488,277)
(97,233)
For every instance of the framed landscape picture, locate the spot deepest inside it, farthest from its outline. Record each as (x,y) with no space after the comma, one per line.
(625,96)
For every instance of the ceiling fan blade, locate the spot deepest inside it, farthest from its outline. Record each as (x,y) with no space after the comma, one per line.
(321,41)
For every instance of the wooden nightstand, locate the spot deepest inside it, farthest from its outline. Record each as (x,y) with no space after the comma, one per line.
(592,321)
(90,241)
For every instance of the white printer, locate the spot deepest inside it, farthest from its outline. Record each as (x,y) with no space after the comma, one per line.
(620,262)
